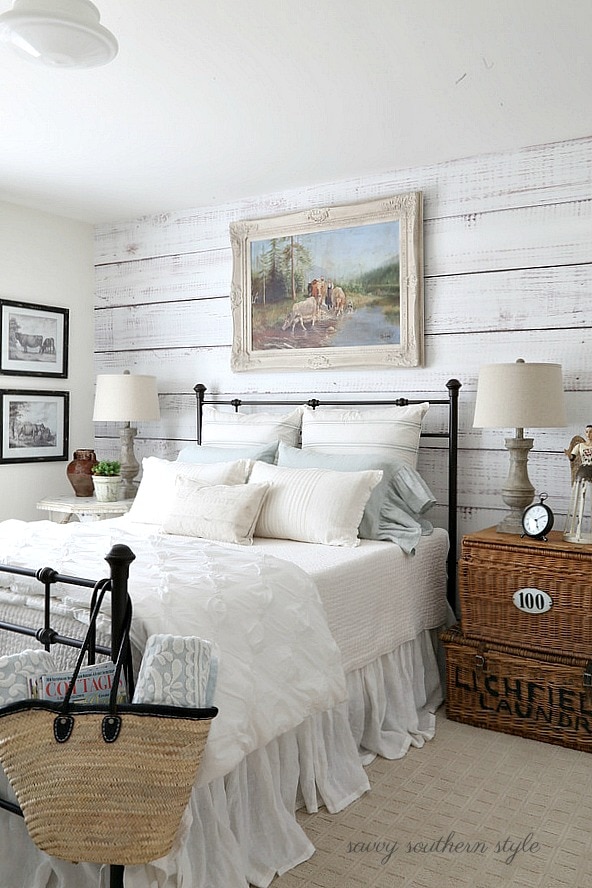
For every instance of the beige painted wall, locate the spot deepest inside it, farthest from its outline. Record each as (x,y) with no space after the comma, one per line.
(48,260)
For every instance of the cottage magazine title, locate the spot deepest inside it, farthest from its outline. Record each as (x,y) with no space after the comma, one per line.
(93,685)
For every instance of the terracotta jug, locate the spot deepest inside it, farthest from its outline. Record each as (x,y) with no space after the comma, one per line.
(79,474)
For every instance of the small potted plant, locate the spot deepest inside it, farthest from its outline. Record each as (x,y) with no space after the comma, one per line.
(106,480)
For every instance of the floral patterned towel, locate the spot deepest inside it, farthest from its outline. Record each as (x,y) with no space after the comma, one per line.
(177,671)
(17,669)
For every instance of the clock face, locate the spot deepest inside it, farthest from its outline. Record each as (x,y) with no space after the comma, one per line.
(536,520)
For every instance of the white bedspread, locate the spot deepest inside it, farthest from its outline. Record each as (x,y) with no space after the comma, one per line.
(279,663)
(376,597)
(240,829)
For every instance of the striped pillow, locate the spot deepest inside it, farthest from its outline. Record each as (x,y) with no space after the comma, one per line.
(386,431)
(225,429)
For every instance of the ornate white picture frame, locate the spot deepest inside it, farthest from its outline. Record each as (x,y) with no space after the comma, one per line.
(330,287)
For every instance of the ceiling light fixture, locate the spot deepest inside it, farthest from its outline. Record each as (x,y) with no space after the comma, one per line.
(58,33)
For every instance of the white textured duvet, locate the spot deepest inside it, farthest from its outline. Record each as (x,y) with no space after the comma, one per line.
(279,663)
(376,597)
(379,605)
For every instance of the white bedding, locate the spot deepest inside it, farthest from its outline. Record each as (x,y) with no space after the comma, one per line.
(375,596)
(380,605)
(357,586)
(278,663)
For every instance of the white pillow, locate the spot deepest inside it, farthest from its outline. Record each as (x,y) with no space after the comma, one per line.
(400,483)
(385,431)
(313,505)
(157,488)
(221,512)
(225,429)
(198,453)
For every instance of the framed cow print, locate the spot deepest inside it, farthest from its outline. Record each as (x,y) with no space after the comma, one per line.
(33,339)
(34,425)
(330,287)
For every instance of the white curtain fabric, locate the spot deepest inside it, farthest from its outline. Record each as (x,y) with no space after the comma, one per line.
(241,829)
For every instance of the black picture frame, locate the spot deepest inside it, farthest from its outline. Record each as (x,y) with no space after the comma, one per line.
(33,339)
(35,426)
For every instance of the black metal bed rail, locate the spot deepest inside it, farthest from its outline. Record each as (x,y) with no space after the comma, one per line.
(45,635)
(119,559)
(451,435)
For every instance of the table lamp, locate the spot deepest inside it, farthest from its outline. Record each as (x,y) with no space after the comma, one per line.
(125,398)
(519,396)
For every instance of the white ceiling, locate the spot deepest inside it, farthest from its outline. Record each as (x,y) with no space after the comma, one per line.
(211,101)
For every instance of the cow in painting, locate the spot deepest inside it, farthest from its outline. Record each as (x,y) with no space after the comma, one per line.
(307,310)
(29,341)
(339,301)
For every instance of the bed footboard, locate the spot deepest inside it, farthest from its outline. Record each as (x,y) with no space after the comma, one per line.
(119,559)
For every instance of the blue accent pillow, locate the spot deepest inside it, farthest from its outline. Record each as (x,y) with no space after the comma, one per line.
(204,453)
(396,505)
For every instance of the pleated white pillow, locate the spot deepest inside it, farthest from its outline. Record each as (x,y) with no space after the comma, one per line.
(313,505)
(220,512)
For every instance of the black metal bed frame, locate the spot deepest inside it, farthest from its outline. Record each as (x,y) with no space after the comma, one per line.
(120,556)
(119,559)
(451,435)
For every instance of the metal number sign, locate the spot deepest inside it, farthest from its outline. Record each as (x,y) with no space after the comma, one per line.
(532,601)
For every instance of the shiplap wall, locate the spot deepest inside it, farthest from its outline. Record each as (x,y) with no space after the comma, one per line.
(508,274)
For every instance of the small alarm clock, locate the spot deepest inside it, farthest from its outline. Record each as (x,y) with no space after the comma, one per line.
(537,519)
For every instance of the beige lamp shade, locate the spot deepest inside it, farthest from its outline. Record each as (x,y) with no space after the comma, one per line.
(125,397)
(520,396)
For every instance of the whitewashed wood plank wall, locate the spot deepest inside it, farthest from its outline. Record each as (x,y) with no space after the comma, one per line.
(508,274)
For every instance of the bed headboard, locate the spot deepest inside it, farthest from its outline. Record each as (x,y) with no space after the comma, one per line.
(450,433)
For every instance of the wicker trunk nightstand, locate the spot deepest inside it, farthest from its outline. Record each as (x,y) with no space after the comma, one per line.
(521,659)
(493,566)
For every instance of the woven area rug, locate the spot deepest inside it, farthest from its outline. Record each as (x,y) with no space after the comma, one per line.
(473,808)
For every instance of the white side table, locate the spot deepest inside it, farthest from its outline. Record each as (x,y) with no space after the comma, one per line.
(86,508)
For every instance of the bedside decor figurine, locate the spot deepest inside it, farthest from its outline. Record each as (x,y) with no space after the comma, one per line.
(578,525)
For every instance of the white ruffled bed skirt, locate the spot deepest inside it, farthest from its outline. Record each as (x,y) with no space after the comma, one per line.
(241,829)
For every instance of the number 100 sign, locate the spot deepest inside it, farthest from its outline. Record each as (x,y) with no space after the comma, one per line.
(532,601)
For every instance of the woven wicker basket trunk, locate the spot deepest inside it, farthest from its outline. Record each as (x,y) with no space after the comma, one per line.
(494,566)
(542,697)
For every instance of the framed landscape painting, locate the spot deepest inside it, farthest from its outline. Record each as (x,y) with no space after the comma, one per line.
(33,339)
(34,426)
(331,287)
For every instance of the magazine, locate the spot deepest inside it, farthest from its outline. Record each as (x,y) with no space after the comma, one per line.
(93,685)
